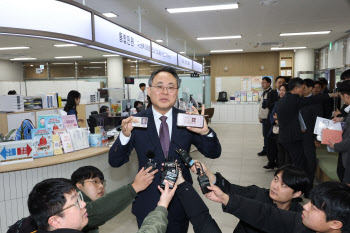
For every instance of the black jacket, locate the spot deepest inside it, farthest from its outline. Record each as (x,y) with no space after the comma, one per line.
(272,98)
(251,192)
(309,114)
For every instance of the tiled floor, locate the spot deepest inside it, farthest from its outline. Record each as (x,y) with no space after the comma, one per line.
(238,163)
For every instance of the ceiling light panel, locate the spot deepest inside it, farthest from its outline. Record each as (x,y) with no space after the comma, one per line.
(68,57)
(288,48)
(110,15)
(305,33)
(159,41)
(203,8)
(111,55)
(23,59)
(226,51)
(13,48)
(64,45)
(219,37)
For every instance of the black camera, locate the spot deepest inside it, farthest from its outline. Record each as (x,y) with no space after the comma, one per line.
(185,156)
(203,179)
(169,173)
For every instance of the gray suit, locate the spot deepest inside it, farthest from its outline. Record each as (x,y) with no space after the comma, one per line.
(344,148)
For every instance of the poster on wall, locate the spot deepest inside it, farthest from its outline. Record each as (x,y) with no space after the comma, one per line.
(256,83)
(246,83)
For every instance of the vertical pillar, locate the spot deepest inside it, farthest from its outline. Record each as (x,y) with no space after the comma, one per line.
(304,60)
(115,76)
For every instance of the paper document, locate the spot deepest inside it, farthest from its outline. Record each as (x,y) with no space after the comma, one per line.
(323,123)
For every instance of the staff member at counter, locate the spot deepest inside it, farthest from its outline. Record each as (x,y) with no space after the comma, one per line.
(73,100)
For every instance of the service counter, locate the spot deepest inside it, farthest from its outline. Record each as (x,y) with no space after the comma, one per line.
(17,180)
(235,112)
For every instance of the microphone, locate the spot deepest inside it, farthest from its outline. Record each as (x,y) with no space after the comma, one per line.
(150,155)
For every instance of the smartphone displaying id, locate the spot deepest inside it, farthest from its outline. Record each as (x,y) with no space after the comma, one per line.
(140,122)
(185,120)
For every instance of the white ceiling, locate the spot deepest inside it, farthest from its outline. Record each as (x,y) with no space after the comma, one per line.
(255,22)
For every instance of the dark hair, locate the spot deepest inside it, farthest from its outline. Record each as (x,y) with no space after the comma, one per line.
(104,108)
(345,74)
(142,85)
(72,95)
(47,198)
(318,82)
(285,86)
(295,178)
(12,92)
(280,77)
(167,69)
(333,198)
(344,87)
(85,173)
(309,82)
(267,79)
(295,82)
(137,103)
(323,81)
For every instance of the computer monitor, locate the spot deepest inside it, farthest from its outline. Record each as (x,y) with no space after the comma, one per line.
(98,120)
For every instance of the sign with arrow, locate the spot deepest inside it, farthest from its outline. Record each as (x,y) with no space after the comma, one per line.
(15,150)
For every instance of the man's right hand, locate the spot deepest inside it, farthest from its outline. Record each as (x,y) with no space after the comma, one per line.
(260,120)
(217,195)
(338,119)
(210,175)
(127,126)
(143,179)
(167,195)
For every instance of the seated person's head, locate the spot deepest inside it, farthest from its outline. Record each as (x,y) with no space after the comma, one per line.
(137,103)
(104,108)
(289,182)
(55,204)
(89,180)
(329,208)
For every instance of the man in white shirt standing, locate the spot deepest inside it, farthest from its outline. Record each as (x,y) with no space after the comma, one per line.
(161,138)
(142,94)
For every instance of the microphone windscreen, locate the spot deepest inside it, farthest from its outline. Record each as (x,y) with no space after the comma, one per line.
(150,154)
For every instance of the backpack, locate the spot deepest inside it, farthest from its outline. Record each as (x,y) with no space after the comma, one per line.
(28,126)
(25,225)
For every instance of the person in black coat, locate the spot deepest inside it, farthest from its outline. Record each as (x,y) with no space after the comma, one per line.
(327,104)
(288,184)
(327,211)
(272,98)
(310,113)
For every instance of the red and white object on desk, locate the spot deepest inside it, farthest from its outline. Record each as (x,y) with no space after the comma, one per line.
(16,152)
(334,136)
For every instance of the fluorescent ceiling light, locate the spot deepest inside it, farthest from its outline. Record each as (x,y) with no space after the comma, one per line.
(65,57)
(110,15)
(64,45)
(13,48)
(111,55)
(182,52)
(288,48)
(155,65)
(62,63)
(226,51)
(159,41)
(91,67)
(219,37)
(97,62)
(23,58)
(203,8)
(304,33)
(31,65)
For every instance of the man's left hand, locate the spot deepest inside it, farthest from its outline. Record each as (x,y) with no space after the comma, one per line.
(203,131)
(331,144)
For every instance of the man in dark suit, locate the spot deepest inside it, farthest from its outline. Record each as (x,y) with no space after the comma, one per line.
(162,136)
(272,98)
(309,113)
(328,103)
(290,135)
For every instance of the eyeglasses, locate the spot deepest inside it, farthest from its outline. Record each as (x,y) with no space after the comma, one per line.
(97,182)
(161,88)
(78,203)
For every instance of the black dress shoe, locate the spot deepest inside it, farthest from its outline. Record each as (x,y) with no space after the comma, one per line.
(262,153)
(269,166)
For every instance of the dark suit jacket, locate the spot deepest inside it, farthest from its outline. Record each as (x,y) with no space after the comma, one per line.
(288,111)
(272,98)
(309,114)
(344,148)
(146,139)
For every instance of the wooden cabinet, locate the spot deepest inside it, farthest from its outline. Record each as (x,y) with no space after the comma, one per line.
(286,64)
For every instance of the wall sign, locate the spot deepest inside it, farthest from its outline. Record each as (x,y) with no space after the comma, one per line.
(46,15)
(184,62)
(198,67)
(163,54)
(114,35)
(195,75)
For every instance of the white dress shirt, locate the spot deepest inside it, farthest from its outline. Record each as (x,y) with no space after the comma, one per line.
(142,96)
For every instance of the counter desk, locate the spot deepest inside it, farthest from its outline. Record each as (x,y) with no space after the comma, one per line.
(236,112)
(17,180)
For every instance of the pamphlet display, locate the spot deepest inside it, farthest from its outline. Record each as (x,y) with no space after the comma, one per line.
(79,137)
(42,143)
(70,122)
(66,142)
(51,123)
(243,96)
(237,96)
(57,149)
(249,96)
(255,96)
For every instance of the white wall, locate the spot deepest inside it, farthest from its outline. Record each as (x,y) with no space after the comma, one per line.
(11,71)
(304,60)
